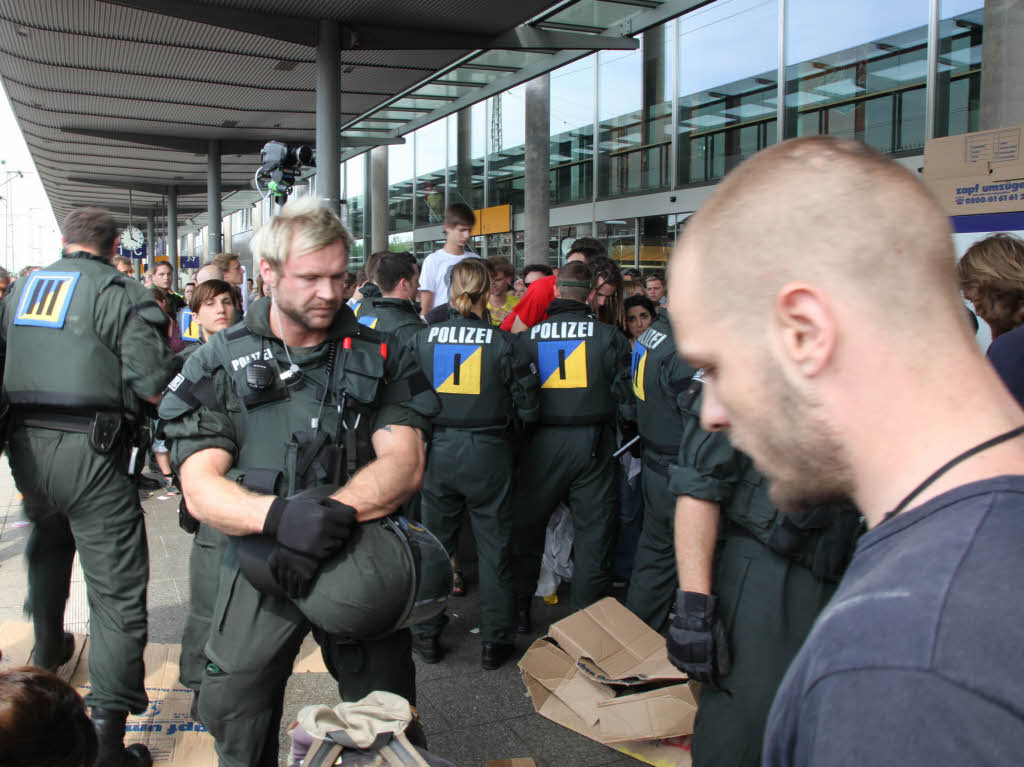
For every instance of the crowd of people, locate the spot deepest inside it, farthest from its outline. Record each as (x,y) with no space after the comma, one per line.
(732,442)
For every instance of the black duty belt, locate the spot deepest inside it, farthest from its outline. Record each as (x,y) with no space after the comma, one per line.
(77,422)
(498,431)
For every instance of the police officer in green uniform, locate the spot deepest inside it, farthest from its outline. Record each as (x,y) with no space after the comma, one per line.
(753,580)
(299,395)
(85,349)
(661,379)
(212,308)
(393,311)
(583,366)
(486,384)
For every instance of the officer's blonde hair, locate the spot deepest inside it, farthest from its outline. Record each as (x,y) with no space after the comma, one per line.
(470,281)
(304,225)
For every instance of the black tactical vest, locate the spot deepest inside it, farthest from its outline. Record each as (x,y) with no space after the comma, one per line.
(55,358)
(575,384)
(463,359)
(293,425)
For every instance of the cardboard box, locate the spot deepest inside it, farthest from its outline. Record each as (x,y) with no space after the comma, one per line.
(165,728)
(602,672)
(981,172)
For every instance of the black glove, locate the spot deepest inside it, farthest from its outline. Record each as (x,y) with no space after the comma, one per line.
(318,528)
(697,643)
(293,571)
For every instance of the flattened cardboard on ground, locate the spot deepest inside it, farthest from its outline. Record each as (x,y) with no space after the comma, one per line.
(173,739)
(165,727)
(980,172)
(520,762)
(573,675)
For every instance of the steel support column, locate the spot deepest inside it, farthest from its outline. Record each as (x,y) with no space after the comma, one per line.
(328,114)
(379,195)
(537,203)
(172,232)
(150,246)
(213,215)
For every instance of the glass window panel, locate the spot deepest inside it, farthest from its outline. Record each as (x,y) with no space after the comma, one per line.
(958,80)
(619,238)
(857,71)
(401,187)
(468,75)
(440,89)
(392,114)
(410,102)
(634,112)
(355,193)
(727,103)
(572,131)
(594,13)
(514,59)
(506,114)
(430,173)
(381,123)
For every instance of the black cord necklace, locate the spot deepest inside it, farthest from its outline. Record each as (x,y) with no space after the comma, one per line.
(1004,437)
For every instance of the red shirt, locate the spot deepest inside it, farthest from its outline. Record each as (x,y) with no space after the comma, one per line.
(533,307)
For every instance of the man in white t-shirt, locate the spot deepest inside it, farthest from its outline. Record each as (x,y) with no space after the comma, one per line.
(435,277)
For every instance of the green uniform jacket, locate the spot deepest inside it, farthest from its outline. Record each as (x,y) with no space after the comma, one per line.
(78,333)
(397,316)
(211,404)
(483,375)
(661,380)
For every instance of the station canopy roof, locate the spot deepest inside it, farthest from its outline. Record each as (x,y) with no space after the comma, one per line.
(119,96)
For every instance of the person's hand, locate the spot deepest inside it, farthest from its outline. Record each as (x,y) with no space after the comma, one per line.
(697,642)
(294,572)
(317,528)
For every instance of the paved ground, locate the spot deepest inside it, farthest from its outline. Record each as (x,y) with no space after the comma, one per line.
(470,715)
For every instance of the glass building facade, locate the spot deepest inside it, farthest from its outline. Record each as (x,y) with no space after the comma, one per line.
(702,93)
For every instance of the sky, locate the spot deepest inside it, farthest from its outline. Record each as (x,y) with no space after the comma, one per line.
(28,230)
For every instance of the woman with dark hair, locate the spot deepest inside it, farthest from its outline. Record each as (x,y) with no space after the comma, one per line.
(640,313)
(43,721)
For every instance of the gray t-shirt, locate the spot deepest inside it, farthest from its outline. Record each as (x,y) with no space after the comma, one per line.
(919,657)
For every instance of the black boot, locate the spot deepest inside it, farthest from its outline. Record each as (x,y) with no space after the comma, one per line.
(110,731)
(524,624)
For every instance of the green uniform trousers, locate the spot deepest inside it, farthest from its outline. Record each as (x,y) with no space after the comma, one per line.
(208,547)
(768,604)
(254,640)
(572,464)
(652,588)
(472,471)
(80,499)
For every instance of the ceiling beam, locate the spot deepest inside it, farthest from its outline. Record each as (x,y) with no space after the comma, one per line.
(366,37)
(155,186)
(230,145)
(292,29)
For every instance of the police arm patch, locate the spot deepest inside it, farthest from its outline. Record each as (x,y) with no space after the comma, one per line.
(45,300)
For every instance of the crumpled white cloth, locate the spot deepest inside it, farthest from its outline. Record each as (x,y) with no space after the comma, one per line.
(362,720)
